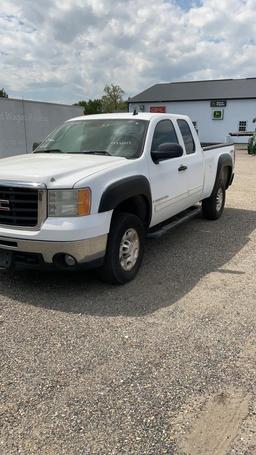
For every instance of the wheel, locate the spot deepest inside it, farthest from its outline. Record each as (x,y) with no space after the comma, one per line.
(213,206)
(125,249)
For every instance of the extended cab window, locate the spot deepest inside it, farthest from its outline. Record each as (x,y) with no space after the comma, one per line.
(187,137)
(164,132)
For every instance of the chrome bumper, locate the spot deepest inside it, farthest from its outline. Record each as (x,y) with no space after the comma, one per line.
(82,250)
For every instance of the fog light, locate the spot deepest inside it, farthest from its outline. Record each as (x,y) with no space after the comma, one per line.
(69,260)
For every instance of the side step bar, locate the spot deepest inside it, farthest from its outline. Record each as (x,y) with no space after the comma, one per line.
(158,231)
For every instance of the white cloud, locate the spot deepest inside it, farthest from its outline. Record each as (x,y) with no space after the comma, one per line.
(65,50)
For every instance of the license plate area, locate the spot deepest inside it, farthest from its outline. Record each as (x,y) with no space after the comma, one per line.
(6,258)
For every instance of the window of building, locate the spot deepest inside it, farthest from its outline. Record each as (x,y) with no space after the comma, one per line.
(187,137)
(242,125)
(164,132)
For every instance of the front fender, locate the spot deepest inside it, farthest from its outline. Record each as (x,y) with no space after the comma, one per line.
(124,189)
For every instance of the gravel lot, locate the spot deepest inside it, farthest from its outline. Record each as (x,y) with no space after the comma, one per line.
(163,365)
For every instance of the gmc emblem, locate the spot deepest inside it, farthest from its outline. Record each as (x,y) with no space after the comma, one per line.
(4,205)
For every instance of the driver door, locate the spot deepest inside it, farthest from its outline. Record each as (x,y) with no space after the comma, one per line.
(168,180)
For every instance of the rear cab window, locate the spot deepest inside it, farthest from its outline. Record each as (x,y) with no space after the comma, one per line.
(187,136)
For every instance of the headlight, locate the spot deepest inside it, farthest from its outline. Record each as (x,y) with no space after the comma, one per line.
(64,203)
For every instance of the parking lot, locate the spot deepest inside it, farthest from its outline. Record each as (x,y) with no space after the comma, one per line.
(163,365)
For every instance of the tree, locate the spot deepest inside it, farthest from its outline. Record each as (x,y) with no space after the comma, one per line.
(112,100)
(90,106)
(3,93)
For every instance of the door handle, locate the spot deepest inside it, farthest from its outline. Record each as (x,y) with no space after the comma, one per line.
(182,168)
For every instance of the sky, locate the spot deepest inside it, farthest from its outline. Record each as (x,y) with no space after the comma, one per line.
(68,50)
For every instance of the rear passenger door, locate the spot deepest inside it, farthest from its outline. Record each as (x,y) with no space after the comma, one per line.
(193,162)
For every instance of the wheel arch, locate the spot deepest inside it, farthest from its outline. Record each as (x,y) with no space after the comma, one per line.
(227,175)
(132,195)
(224,171)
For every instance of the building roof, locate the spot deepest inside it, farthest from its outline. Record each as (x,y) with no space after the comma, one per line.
(198,91)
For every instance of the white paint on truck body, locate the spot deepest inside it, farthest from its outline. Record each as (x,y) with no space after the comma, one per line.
(171,191)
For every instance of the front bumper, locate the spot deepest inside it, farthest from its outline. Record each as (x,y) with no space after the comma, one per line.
(83,251)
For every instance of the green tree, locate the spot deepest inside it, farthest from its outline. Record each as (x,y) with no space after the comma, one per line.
(112,100)
(3,93)
(90,106)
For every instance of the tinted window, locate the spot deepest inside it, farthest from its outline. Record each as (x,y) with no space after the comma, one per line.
(164,132)
(187,137)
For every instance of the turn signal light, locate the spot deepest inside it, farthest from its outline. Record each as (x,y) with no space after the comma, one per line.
(84,201)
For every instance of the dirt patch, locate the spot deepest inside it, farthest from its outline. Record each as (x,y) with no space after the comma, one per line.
(247,358)
(217,425)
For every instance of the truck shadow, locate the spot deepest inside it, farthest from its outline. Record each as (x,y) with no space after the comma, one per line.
(173,265)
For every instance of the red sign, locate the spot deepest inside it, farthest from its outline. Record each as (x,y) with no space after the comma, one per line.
(158,109)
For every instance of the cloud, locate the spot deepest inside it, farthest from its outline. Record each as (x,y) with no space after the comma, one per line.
(65,50)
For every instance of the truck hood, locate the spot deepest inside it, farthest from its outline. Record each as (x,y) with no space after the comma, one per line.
(63,169)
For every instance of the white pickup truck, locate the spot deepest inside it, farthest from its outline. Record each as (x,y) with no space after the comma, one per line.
(95,187)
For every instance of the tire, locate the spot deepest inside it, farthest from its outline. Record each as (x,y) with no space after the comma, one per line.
(127,231)
(213,206)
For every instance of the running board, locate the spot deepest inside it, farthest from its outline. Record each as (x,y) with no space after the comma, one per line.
(158,231)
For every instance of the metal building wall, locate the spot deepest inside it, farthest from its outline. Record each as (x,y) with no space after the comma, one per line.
(24,122)
(201,112)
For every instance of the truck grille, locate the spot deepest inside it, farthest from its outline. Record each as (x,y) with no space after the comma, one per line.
(18,206)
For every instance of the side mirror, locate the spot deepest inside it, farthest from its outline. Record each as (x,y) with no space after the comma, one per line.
(167,151)
(35,145)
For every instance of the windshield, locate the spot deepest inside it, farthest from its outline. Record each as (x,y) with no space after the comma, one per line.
(115,137)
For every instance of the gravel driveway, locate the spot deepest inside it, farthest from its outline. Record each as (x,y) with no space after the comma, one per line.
(163,365)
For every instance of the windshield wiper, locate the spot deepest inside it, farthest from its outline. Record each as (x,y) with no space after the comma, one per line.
(96,152)
(89,152)
(50,151)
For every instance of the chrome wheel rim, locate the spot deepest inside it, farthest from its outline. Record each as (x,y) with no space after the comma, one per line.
(219,199)
(129,249)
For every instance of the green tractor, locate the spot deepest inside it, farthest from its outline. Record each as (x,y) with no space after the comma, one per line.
(252,143)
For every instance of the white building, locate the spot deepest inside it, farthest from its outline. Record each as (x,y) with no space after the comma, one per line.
(217,107)
(24,122)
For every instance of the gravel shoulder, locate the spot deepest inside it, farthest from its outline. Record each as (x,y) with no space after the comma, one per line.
(163,365)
